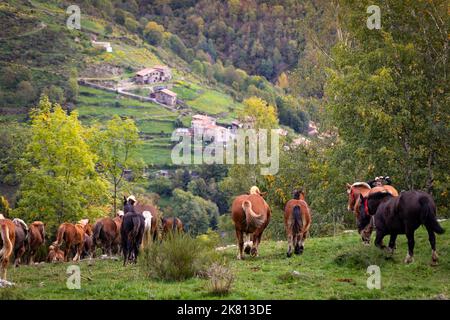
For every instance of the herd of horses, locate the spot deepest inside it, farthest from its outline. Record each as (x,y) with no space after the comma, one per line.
(378,207)
(127,232)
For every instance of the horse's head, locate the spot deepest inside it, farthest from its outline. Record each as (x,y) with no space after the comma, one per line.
(352,193)
(363,216)
(255,190)
(128,206)
(299,194)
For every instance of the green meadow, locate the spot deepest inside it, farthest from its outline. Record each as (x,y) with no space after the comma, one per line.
(330,268)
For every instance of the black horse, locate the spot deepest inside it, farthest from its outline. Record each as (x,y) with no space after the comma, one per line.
(401,215)
(131,232)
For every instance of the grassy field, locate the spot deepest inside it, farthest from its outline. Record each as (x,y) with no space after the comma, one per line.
(330,268)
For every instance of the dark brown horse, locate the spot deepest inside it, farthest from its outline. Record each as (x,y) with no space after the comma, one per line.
(73,237)
(21,243)
(251,215)
(297,221)
(7,240)
(362,188)
(36,239)
(401,215)
(131,232)
(105,233)
(171,224)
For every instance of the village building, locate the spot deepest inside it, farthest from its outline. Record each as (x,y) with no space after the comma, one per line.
(165,96)
(104,45)
(153,75)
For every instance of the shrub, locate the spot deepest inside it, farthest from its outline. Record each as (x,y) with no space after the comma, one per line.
(177,258)
(220,279)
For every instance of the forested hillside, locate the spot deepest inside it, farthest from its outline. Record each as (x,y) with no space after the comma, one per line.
(377,98)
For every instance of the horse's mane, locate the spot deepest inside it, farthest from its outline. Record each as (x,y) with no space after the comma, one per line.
(380,195)
(21,222)
(361,184)
(255,190)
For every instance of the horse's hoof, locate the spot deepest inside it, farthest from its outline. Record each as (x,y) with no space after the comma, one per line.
(239,257)
(289,254)
(254,252)
(409,259)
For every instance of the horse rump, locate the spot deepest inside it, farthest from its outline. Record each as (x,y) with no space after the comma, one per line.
(428,215)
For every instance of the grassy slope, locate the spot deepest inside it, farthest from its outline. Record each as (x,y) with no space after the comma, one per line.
(330,268)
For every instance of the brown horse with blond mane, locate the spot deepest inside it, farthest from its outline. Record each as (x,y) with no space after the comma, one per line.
(251,215)
(297,221)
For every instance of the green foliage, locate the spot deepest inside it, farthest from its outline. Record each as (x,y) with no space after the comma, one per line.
(154,33)
(161,186)
(177,258)
(4,206)
(291,115)
(59,178)
(14,138)
(196,213)
(390,94)
(116,146)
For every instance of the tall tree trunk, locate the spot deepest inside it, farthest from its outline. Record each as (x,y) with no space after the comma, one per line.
(430,178)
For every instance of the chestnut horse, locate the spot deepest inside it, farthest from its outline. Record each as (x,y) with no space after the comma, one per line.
(117,241)
(36,239)
(171,224)
(362,188)
(73,236)
(250,215)
(7,240)
(105,233)
(297,221)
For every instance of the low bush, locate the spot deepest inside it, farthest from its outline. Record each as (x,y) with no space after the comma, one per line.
(220,279)
(177,258)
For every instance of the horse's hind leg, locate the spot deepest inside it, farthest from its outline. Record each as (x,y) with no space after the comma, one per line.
(432,240)
(18,255)
(256,242)
(409,257)
(240,240)
(290,239)
(79,251)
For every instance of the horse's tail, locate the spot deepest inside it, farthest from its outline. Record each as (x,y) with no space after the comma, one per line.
(298,223)
(251,217)
(40,226)
(7,249)
(98,227)
(174,224)
(134,234)
(59,236)
(429,216)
